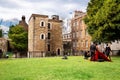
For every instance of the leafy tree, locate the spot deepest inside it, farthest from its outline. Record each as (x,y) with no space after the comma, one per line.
(0,33)
(103,20)
(19,38)
(1,29)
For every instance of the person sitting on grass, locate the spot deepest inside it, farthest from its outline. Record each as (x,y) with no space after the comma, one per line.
(65,56)
(86,54)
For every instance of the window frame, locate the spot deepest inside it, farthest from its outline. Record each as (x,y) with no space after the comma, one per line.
(49,28)
(42,38)
(49,35)
(42,23)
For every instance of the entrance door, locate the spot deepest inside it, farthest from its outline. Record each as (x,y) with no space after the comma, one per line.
(58,51)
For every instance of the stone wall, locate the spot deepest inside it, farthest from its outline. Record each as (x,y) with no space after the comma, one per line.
(38,47)
(80,39)
(3,44)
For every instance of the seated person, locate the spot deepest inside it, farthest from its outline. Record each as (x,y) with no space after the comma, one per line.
(65,57)
(86,54)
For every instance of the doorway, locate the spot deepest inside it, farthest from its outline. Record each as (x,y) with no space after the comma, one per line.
(58,51)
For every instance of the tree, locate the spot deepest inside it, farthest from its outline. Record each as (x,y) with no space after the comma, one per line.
(19,38)
(1,29)
(103,20)
(0,33)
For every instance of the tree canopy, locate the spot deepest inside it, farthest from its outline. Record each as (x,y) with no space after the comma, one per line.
(19,38)
(1,29)
(103,20)
(0,33)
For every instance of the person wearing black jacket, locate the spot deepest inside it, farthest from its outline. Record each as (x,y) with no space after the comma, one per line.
(92,49)
(107,51)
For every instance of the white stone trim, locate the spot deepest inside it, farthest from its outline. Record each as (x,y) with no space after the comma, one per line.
(41,23)
(43,36)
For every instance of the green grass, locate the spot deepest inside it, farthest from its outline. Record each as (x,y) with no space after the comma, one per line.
(55,68)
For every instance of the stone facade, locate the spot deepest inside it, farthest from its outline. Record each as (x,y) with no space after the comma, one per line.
(44,36)
(3,45)
(67,37)
(23,23)
(67,44)
(80,39)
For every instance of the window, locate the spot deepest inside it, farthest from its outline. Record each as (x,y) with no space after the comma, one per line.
(73,44)
(80,33)
(86,33)
(77,45)
(48,47)
(77,34)
(74,35)
(48,35)
(82,44)
(49,26)
(86,43)
(68,36)
(77,23)
(42,23)
(42,36)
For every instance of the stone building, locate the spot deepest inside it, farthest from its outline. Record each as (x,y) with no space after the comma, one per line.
(67,44)
(44,36)
(23,23)
(3,45)
(80,39)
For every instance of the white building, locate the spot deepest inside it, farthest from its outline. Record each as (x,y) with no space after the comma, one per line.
(115,47)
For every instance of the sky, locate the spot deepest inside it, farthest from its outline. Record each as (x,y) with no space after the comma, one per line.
(10,9)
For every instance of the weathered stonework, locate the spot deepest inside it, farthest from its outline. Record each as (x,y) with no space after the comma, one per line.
(80,39)
(23,23)
(3,44)
(67,44)
(38,43)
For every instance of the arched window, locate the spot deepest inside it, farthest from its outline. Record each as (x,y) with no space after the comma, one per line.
(48,47)
(49,26)
(49,35)
(42,36)
(42,23)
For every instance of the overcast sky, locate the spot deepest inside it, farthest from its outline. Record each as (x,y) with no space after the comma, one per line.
(16,8)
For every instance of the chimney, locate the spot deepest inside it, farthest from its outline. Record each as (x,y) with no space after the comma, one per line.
(55,17)
(78,13)
(23,18)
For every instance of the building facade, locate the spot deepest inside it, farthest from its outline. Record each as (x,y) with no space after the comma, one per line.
(3,45)
(44,36)
(115,47)
(23,23)
(67,44)
(80,39)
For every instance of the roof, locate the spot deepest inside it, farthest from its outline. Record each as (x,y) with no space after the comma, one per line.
(38,15)
(52,20)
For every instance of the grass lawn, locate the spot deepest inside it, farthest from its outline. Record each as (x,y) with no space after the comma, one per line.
(55,68)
